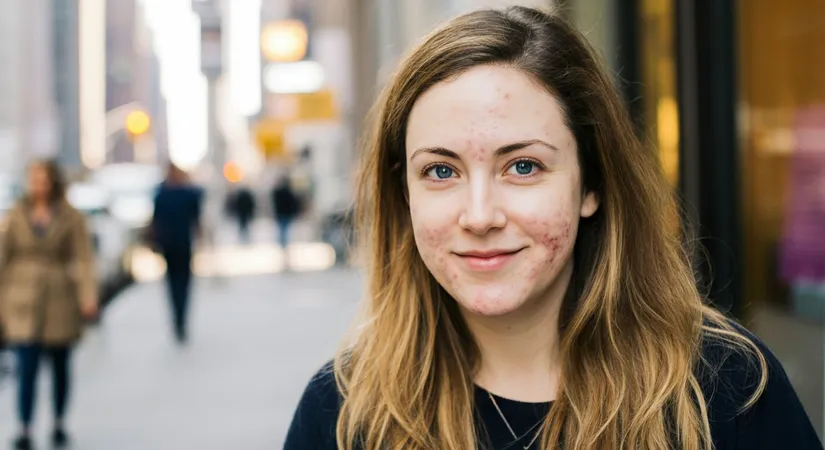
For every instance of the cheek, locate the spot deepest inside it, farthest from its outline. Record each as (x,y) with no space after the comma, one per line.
(430,230)
(555,237)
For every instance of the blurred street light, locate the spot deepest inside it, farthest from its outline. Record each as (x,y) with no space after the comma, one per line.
(284,41)
(232,172)
(138,123)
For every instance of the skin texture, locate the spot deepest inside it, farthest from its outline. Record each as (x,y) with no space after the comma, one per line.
(529,200)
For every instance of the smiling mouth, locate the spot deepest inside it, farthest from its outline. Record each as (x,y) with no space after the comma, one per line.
(488,261)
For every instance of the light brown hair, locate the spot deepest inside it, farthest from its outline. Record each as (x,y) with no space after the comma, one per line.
(633,326)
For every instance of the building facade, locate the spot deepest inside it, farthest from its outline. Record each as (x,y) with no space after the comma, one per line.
(66,69)
(29,119)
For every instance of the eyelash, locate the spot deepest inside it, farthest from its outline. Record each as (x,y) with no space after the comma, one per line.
(432,166)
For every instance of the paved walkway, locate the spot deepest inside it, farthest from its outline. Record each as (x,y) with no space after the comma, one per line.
(255,343)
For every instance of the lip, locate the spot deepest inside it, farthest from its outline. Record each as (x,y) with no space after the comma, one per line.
(487,260)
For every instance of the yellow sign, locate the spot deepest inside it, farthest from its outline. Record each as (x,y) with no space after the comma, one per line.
(292,108)
(138,123)
(269,136)
(316,106)
(284,41)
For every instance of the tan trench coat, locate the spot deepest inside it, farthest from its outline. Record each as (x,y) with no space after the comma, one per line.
(43,280)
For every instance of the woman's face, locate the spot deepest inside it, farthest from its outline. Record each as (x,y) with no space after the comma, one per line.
(39,183)
(495,188)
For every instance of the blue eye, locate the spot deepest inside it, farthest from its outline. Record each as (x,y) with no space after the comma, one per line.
(440,172)
(523,167)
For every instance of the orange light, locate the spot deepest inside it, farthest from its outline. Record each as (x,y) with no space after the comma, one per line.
(138,123)
(232,172)
(284,41)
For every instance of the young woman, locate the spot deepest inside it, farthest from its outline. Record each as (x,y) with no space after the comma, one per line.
(47,288)
(527,286)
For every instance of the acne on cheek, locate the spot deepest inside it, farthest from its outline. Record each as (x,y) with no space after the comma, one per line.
(556,239)
(430,237)
(431,246)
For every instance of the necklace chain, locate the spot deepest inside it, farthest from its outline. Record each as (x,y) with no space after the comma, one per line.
(515,436)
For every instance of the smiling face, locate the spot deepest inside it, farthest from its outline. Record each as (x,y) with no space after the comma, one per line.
(495,189)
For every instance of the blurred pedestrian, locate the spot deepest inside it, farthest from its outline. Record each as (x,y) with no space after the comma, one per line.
(525,286)
(242,207)
(48,288)
(175,225)
(287,206)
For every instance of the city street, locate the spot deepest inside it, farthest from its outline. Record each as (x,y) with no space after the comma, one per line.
(255,341)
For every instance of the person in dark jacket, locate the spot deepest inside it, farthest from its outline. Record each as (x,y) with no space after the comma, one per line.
(242,207)
(287,206)
(175,224)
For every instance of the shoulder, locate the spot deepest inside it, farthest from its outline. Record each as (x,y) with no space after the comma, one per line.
(731,378)
(18,210)
(315,419)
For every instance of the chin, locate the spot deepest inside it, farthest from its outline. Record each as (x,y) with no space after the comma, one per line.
(490,301)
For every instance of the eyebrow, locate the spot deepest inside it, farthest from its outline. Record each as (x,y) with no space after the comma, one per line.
(501,151)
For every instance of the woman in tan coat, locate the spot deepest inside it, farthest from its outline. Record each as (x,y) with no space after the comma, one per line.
(47,289)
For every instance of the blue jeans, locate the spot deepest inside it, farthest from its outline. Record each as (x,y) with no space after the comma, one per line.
(28,362)
(283,232)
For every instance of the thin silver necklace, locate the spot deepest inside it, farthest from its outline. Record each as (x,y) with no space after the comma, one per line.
(515,436)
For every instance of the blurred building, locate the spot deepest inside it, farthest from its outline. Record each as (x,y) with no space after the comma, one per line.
(133,77)
(66,69)
(28,112)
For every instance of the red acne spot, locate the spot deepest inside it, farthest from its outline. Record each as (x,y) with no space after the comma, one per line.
(553,243)
(431,236)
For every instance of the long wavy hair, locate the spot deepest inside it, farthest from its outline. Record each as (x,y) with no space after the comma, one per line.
(633,322)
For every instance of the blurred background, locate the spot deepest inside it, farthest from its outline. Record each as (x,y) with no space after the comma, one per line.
(244,93)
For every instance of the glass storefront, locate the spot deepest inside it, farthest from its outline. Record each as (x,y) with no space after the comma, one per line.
(782,143)
(777,163)
(658,70)
(782,79)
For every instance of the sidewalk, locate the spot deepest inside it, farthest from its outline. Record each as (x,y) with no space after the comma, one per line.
(255,341)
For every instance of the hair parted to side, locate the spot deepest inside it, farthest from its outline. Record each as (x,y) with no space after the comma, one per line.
(634,322)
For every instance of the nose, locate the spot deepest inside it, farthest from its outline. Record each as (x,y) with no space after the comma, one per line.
(482,213)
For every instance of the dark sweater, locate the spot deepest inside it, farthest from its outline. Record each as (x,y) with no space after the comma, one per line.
(776,422)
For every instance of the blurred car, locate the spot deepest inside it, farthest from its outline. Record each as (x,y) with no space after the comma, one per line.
(131,188)
(111,238)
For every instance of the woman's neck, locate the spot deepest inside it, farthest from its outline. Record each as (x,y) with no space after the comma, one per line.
(519,351)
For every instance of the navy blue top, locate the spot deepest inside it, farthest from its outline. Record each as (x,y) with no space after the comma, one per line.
(176,216)
(776,422)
